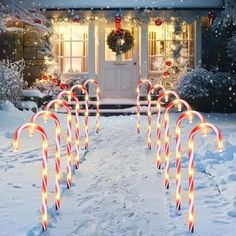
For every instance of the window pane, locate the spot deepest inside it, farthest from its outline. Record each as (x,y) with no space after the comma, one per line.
(65,49)
(79,49)
(79,65)
(66,65)
(79,32)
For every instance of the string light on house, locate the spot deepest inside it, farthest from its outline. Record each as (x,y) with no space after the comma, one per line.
(45,115)
(189,116)
(218,133)
(165,95)
(176,102)
(44,195)
(59,102)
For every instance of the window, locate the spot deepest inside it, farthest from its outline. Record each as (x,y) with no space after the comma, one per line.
(71,47)
(165,42)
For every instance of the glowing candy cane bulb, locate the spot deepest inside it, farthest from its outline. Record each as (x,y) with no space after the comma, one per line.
(69,136)
(191,165)
(45,115)
(44,166)
(158,127)
(185,115)
(140,83)
(71,95)
(176,102)
(86,117)
(97,102)
(150,92)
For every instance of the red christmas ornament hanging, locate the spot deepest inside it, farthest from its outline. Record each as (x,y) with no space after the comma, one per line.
(38,21)
(211,18)
(76,19)
(169,63)
(158,22)
(166,74)
(63,85)
(117,22)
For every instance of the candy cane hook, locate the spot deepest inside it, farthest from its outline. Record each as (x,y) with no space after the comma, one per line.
(32,127)
(71,95)
(84,91)
(150,92)
(203,127)
(165,95)
(140,83)
(45,115)
(179,103)
(56,103)
(189,115)
(97,102)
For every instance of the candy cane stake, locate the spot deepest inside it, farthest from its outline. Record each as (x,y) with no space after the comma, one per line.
(84,91)
(178,103)
(140,83)
(189,115)
(57,103)
(71,95)
(165,95)
(32,126)
(45,115)
(97,102)
(203,126)
(150,92)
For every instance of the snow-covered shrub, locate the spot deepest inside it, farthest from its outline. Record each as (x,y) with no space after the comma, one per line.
(11,80)
(195,84)
(231,47)
(208,91)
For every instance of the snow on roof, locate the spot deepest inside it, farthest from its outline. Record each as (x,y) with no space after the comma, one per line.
(106,4)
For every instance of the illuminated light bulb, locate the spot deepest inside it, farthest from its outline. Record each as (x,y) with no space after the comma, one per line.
(179,107)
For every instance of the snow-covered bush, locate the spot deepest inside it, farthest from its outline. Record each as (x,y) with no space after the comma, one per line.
(11,80)
(208,91)
(195,84)
(231,47)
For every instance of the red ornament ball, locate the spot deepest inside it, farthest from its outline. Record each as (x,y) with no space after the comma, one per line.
(63,85)
(38,21)
(117,19)
(76,19)
(169,63)
(45,77)
(158,22)
(166,74)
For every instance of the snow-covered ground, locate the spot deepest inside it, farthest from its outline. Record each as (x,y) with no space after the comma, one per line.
(117,190)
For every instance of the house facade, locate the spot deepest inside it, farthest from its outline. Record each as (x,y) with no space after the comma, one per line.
(167,40)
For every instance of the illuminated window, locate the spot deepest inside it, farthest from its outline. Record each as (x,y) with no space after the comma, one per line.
(165,41)
(71,47)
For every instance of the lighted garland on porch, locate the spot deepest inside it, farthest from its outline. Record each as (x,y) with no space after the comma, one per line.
(120,41)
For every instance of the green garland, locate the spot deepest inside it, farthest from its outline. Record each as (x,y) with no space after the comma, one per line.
(120,41)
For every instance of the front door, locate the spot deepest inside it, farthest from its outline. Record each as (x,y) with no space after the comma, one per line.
(118,74)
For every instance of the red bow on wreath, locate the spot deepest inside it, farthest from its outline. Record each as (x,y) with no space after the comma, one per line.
(117,22)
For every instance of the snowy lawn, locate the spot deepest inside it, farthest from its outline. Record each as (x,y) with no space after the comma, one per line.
(117,190)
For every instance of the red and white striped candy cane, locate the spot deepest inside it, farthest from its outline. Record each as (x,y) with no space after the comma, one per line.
(45,115)
(176,102)
(56,103)
(86,117)
(150,92)
(140,83)
(165,95)
(97,102)
(32,126)
(189,115)
(202,126)
(71,95)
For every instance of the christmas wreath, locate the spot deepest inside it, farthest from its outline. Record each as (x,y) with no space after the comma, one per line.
(120,41)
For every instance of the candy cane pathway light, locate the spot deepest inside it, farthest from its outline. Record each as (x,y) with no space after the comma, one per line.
(150,92)
(189,115)
(45,115)
(71,95)
(97,102)
(57,103)
(202,127)
(16,138)
(84,91)
(165,95)
(178,103)
(140,83)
